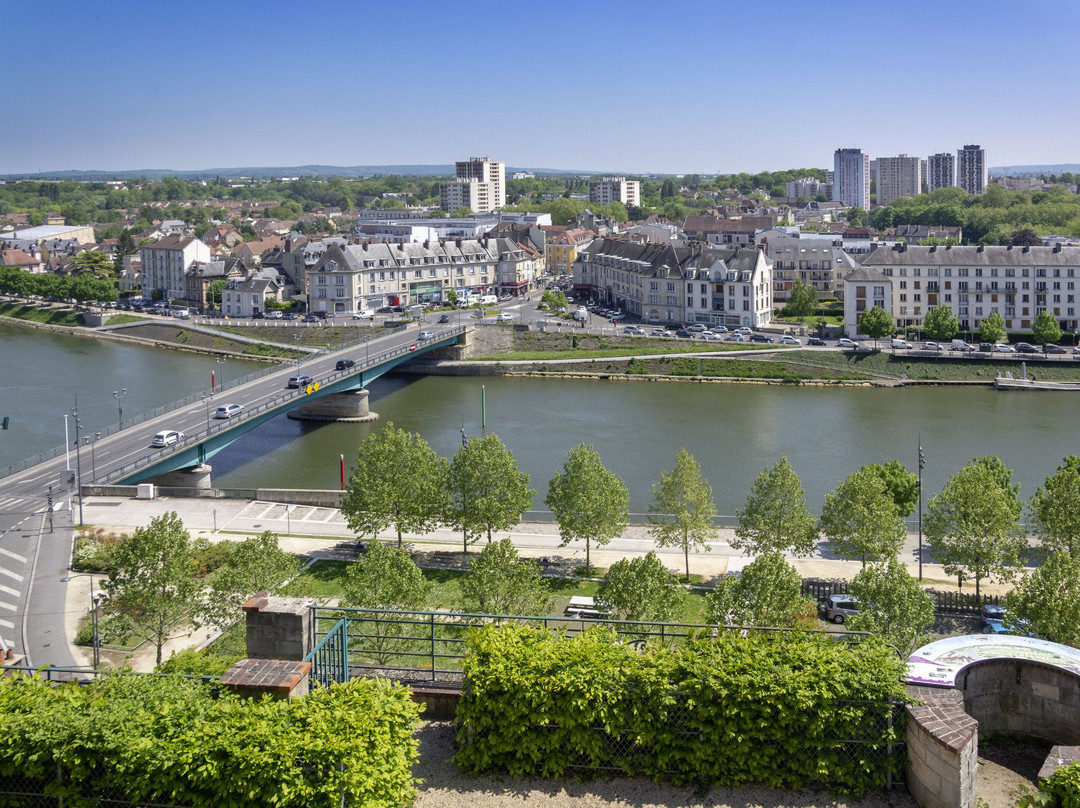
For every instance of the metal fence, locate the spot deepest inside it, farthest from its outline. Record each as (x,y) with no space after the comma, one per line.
(951,604)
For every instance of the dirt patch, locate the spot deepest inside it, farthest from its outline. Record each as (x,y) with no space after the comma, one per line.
(1008,768)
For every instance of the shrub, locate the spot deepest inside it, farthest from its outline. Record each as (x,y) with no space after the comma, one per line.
(780,709)
(93,550)
(196,663)
(637,367)
(1060,790)
(208,556)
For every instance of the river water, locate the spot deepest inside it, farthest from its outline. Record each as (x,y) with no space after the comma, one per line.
(733,430)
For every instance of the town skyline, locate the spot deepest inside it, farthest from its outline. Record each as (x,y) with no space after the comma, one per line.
(628,92)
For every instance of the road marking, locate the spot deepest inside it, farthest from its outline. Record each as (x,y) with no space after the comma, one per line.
(11,607)
(7,624)
(10,554)
(12,575)
(9,591)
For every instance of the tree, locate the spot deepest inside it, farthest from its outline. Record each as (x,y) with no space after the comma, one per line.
(94,262)
(683,509)
(1025,237)
(892,605)
(640,589)
(499,582)
(1047,602)
(768,593)
(255,565)
(860,519)
(973,525)
(590,503)
(857,217)
(877,323)
(776,517)
(398,481)
(151,588)
(1055,509)
(213,292)
(1045,328)
(386,578)
(451,297)
(125,244)
(902,485)
(802,300)
(941,323)
(487,491)
(992,327)
(461,212)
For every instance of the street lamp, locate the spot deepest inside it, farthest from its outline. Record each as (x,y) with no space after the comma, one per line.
(95,602)
(922,462)
(93,460)
(220,362)
(78,458)
(206,399)
(119,396)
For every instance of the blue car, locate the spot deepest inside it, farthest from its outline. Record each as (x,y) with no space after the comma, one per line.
(995,620)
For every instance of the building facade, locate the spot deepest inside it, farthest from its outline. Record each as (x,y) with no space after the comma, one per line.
(165,263)
(480,184)
(817,259)
(971,172)
(941,171)
(898,176)
(615,189)
(1015,282)
(851,178)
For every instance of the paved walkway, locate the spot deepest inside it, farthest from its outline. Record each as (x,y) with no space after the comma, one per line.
(319,532)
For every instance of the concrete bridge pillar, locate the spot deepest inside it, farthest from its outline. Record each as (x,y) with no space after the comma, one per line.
(192,477)
(350,406)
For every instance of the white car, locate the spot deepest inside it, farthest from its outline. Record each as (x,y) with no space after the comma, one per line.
(659,332)
(787,339)
(276,314)
(504,316)
(425,335)
(696,327)
(931,346)
(719,329)
(844,342)
(1002,347)
(709,335)
(228,410)
(633,329)
(364,314)
(734,338)
(745,330)
(166,438)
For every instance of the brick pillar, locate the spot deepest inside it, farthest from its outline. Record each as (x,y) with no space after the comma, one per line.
(277,627)
(943,749)
(255,678)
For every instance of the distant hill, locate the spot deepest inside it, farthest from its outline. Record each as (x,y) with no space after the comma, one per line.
(1021,171)
(269,172)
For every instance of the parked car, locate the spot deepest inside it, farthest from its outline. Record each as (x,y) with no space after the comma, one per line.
(745,330)
(734,338)
(844,342)
(166,438)
(291,315)
(931,346)
(719,329)
(310,318)
(901,344)
(1003,347)
(697,328)
(840,607)
(444,318)
(709,335)
(682,333)
(385,310)
(296,382)
(1051,348)
(425,335)
(659,332)
(504,316)
(633,329)
(815,341)
(761,338)
(363,314)
(275,315)
(618,316)
(228,410)
(1026,347)
(993,618)
(787,339)
(345,364)
(960,345)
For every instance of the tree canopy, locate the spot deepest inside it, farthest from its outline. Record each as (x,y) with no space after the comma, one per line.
(767,593)
(488,492)
(499,582)
(683,510)
(992,327)
(802,300)
(1055,509)
(892,606)
(1047,601)
(941,323)
(877,323)
(775,517)
(1045,328)
(902,485)
(640,589)
(860,519)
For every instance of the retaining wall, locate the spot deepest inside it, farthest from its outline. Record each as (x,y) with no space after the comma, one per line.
(943,749)
(1023,697)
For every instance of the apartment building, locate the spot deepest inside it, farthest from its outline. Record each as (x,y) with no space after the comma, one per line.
(562,249)
(1015,282)
(806,186)
(971,171)
(941,171)
(166,261)
(817,259)
(898,176)
(851,178)
(615,189)
(368,276)
(480,184)
(666,284)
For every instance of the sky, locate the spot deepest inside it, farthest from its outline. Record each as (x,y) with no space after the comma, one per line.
(700,86)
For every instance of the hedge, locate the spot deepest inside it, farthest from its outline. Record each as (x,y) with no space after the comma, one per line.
(149,739)
(781,709)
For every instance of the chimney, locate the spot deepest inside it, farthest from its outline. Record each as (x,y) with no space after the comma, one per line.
(1027,248)
(365,246)
(1057,247)
(981,248)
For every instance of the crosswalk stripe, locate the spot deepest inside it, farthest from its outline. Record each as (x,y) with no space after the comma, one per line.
(7,624)
(11,575)
(8,590)
(9,606)
(16,556)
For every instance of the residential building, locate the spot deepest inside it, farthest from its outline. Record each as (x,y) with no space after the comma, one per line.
(562,249)
(248,295)
(615,189)
(666,284)
(898,176)
(480,185)
(1015,282)
(916,233)
(520,264)
(817,259)
(941,172)
(851,178)
(197,281)
(165,263)
(971,169)
(806,186)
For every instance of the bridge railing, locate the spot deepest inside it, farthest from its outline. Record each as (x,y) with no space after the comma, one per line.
(197,398)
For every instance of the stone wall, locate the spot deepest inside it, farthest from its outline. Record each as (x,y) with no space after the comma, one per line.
(943,749)
(278,628)
(1022,697)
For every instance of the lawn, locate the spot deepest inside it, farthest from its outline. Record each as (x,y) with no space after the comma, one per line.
(41,314)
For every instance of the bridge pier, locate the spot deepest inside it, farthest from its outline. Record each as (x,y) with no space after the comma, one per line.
(350,407)
(191,477)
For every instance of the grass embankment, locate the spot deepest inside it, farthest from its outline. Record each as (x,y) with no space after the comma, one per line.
(945,367)
(42,314)
(534,346)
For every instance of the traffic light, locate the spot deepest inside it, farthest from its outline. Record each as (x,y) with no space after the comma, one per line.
(5,422)
(50,500)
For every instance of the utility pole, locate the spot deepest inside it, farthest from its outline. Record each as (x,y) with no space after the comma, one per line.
(922,462)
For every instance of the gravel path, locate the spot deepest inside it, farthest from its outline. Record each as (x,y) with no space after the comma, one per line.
(445,787)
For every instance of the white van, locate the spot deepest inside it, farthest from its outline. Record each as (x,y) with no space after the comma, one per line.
(960,345)
(364,314)
(488,300)
(182,314)
(900,343)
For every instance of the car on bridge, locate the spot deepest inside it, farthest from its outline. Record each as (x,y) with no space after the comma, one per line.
(445,318)
(344,364)
(166,437)
(228,410)
(504,316)
(296,382)
(425,335)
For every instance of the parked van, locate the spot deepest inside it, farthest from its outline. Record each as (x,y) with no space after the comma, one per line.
(900,343)
(182,314)
(960,345)
(581,315)
(488,300)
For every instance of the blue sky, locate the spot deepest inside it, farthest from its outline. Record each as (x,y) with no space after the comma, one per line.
(672,87)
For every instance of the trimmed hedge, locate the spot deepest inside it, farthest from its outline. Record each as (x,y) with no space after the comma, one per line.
(1060,790)
(782,709)
(147,739)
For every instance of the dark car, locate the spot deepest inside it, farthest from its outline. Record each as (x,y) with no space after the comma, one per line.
(310,318)
(344,364)
(296,382)
(444,318)
(292,315)
(1026,347)
(760,338)
(385,310)
(684,334)
(815,341)
(1052,348)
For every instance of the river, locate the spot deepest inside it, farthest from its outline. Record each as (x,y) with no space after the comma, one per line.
(733,430)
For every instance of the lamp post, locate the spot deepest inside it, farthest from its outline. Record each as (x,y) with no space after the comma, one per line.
(206,399)
(78,458)
(119,396)
(95,602)
(220,362)
(922,462)
(93,459)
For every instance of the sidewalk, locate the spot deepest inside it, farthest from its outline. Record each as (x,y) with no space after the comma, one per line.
(315,531)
